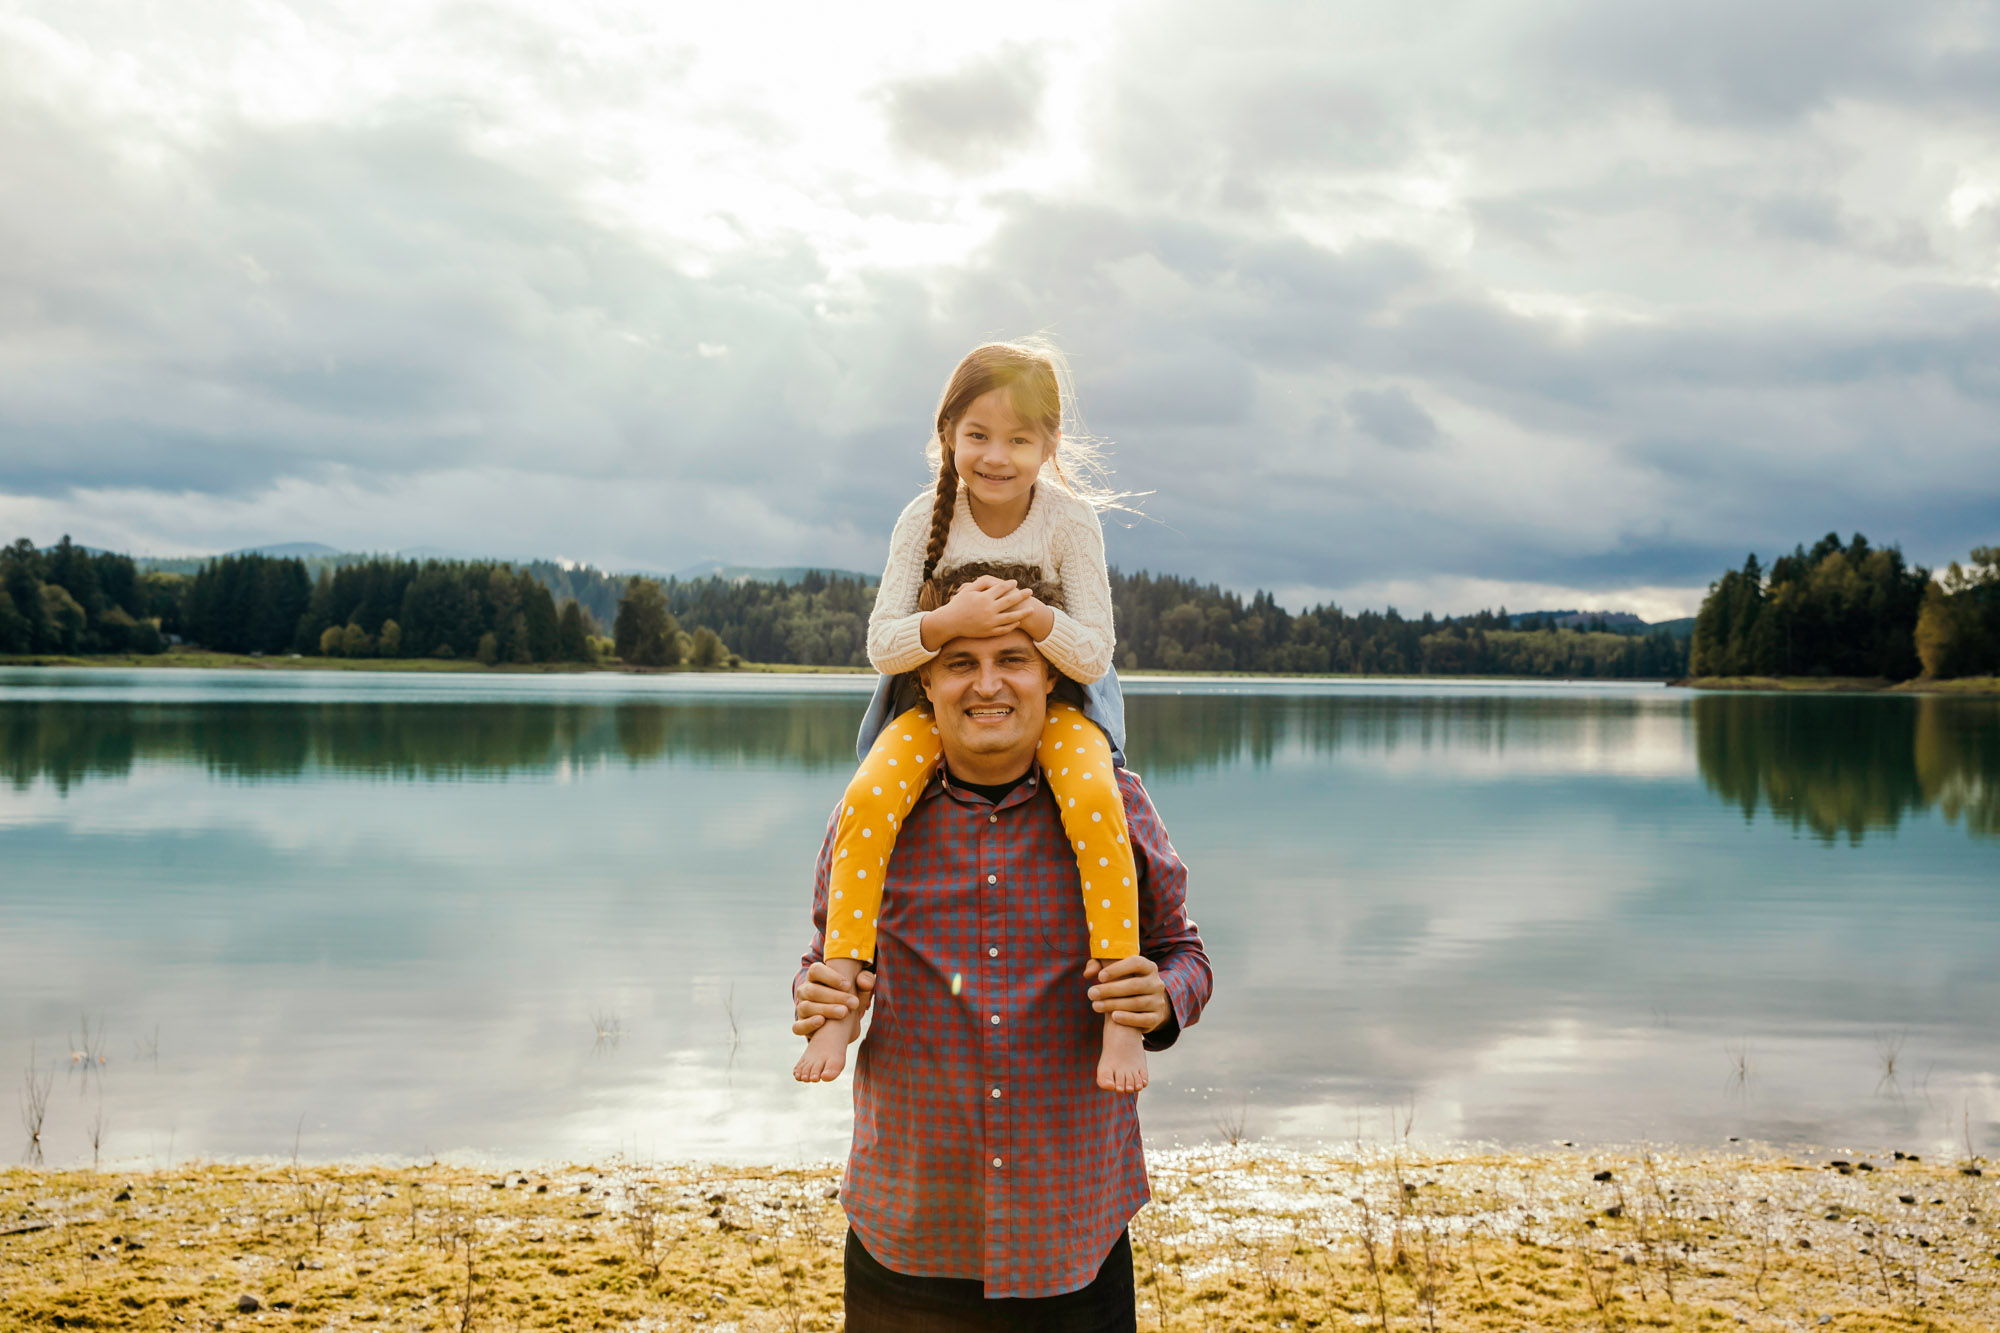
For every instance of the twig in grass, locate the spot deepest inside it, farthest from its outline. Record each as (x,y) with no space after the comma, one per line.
(1763,1260)
(642,1224)
(318,1201)
(468,1300)
(97,1130)
(1602,1286)
(1879,1250)
(1472,1254)
(1368,1248)
(1427,1283)
(1229,1124)
(1669,1231)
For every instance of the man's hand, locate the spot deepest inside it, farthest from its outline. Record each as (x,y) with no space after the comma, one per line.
(1131,991)
(824,995)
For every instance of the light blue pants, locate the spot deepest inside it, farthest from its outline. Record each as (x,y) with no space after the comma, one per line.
(1103,703)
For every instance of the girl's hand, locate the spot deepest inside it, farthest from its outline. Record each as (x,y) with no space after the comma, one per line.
(981,609)
(1039,619)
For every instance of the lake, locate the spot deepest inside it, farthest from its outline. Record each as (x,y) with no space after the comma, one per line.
(528,918)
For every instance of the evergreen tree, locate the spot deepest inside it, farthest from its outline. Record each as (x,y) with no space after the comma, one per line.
(645,632)
(538,610)
(14,633)
(572,638)
(64,617)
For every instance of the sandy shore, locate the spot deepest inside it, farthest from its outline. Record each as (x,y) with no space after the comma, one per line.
(1236,1238)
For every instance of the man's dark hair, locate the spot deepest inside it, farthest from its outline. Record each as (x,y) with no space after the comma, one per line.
(943,586)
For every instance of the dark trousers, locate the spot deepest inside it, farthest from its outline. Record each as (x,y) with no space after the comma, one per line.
(881,1301)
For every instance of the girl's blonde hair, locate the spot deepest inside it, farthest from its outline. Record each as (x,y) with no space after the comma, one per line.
(1037,381)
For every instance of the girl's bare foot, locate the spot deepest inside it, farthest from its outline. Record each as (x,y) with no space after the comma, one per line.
(826,1050)
(1122,1066)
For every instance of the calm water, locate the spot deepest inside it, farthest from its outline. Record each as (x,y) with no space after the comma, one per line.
(389,915)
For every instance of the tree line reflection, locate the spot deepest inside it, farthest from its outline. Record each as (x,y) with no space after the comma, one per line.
(1834,766)
(1840,767)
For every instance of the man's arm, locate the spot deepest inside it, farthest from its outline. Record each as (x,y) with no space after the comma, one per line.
(1166,935)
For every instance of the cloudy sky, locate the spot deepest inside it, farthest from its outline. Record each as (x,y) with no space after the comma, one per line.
(1441,304)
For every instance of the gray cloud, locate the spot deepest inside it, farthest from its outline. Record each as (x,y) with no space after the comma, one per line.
(970,118)
(1392,416)
(1609,352)
(1713,61)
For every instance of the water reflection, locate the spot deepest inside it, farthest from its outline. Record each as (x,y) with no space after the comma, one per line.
(1841,767)
(1835,766)
(68,743)
(1537,913)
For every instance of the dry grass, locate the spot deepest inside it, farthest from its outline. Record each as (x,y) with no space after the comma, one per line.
(1794,684)
(1973,685)
(1237,1238)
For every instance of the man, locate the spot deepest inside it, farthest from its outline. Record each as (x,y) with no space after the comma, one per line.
(990,1180)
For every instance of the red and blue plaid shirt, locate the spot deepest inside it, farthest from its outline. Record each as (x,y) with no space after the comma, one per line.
(983,1147)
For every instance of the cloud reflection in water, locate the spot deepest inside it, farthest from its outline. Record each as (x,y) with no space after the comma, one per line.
(1534,913)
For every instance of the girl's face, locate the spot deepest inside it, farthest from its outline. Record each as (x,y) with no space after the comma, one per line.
(999,455)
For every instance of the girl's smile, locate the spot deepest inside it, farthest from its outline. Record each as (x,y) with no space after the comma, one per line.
(998,456)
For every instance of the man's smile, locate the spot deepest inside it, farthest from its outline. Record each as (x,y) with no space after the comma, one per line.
(990,710)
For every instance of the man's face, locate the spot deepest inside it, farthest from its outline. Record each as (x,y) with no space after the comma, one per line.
(990,696)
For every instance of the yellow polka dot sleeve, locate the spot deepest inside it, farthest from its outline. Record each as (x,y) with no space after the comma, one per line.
(871,816)
(1076,759)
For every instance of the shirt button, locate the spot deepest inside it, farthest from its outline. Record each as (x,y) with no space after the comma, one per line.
(994,1019)
(992,879)
(996,1092)
(992,953)
(992,819)
(996,1161)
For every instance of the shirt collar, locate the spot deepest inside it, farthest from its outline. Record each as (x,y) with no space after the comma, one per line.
(940,781)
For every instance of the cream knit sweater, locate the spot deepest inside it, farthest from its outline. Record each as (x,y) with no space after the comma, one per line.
(1061,534)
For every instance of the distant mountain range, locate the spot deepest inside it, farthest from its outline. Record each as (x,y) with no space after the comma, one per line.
(318,554)
(715,569)
(1618,622)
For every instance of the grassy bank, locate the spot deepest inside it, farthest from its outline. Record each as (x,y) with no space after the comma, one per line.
(1844,684)
(1242,1238)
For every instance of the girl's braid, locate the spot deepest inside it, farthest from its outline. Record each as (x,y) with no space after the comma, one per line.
(942,510)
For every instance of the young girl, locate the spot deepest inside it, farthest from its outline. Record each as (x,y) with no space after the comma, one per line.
(1004,497)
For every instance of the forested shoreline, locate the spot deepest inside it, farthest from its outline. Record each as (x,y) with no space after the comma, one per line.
(497,613)
(1850,609)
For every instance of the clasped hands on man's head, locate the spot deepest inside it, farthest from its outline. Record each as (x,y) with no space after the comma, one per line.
(986,606)
(990,696)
